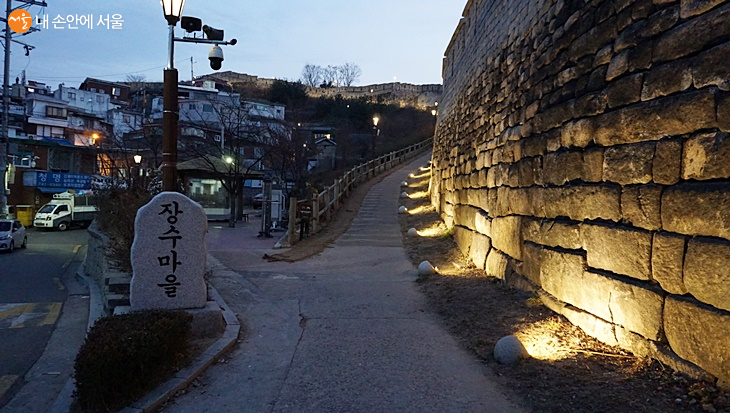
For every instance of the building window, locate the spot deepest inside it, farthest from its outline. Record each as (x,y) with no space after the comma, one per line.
(71,96)
(116,91)
(207,108)
(191,106)
(53,112)
(93,89)
(126,119)
(22,159)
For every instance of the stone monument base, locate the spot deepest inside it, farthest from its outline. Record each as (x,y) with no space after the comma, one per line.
(207,322)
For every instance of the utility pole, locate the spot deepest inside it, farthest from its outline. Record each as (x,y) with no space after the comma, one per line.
(4,138)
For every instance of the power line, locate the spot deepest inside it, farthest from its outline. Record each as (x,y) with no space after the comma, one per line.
(105,75)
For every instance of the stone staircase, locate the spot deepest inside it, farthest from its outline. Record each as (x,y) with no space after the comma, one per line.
(115,290)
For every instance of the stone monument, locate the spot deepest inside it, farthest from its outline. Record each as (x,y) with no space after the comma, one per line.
(168,254)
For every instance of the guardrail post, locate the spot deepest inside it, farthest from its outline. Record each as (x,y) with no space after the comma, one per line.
(327,205)
(292,220)
(315,214)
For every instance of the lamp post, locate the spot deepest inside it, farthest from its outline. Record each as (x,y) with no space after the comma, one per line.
(434,112)
(173,10)
(137,171)
(376,132)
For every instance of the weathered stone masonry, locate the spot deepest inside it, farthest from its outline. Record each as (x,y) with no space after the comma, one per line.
(582,149)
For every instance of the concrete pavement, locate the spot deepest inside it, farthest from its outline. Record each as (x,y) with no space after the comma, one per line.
(346,330)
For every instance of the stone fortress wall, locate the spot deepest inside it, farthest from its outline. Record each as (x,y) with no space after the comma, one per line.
(582,150)
(402,94)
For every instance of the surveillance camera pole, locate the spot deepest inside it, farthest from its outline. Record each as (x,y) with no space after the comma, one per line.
(170,113)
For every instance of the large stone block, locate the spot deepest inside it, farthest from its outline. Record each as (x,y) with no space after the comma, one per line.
(666,79)
(640,206)
(480,245)
(507,235)
(482,223)
(699,334)
(629,164)
(577,133)
(463,238)
(593,165)
(636,308)
(624,91)
(593,326)
(580,203)
(667,262)
(562,167)
(497,265)
(711,68)
(552,233)
(693,35)
(465,216)
(667,161)
(697,209)
(619,250)
(656,119)
(691,8)
(723,111)
(707,271)
(706,156)
(168,254)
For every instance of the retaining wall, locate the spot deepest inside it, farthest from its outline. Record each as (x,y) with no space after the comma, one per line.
(582,150)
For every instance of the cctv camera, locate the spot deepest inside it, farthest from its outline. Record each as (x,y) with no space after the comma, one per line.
(215,55)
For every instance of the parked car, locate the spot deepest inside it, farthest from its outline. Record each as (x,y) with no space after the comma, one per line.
(12,234)
(257,201)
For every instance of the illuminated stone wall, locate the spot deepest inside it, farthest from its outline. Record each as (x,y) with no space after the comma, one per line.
(582,150)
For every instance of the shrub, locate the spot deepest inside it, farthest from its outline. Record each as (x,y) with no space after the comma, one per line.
(126,356)
(117,210)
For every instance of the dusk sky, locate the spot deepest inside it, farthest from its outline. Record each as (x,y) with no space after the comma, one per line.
(401,40)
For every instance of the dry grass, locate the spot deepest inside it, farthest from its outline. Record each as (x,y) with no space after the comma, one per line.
(569,371)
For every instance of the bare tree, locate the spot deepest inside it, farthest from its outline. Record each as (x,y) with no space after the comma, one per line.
(330,75)
(135,82)
(349,73)
(311,75)
(235,157)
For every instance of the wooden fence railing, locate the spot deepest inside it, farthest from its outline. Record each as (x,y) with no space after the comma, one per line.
(328,201)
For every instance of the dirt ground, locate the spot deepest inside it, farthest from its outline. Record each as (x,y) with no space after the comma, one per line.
(569,371)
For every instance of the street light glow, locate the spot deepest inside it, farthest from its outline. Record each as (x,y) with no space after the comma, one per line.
(228,160)
(173,10)
(375,120)
(137,159)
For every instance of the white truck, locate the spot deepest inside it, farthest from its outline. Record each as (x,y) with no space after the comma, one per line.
(66,209)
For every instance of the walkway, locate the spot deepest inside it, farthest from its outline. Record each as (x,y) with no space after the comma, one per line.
(344,331)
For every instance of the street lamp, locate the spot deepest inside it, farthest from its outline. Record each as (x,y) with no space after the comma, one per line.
(376,132)
(137,159)
(173,10)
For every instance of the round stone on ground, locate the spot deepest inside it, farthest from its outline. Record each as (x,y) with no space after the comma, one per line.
(404,183)
(404,194)
(412,232)
(402,209)
(509,350)
(425,268)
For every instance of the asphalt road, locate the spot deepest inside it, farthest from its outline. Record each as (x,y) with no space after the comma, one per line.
(32,295)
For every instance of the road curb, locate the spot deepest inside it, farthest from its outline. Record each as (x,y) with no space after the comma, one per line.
(181,379)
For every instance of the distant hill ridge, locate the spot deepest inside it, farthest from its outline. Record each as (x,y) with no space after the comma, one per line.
(403,94)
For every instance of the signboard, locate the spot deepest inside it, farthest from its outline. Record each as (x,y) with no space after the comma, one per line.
(56,180)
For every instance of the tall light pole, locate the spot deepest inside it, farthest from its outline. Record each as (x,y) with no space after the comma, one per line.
(173,10)
(376,132)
